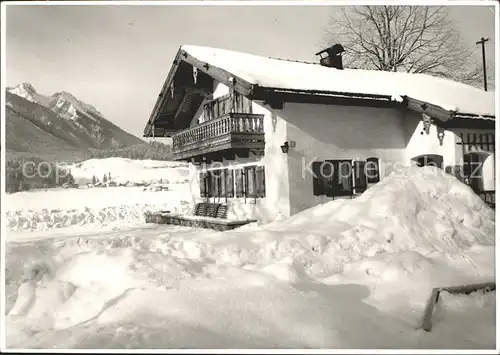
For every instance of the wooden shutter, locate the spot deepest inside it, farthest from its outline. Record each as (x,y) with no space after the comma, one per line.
(250,181)
(238,178)
(372,169)
(203,184)
(260,178)
(213,184)
(222,182)
(318,181)
(230,183)
(360,182)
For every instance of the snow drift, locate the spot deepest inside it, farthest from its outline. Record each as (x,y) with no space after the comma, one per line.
(346,274)
(91,207)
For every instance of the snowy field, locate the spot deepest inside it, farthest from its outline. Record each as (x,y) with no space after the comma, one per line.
(346,274)
(124,170)
(39,210)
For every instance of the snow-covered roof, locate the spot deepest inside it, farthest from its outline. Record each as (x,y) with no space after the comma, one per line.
(290,75)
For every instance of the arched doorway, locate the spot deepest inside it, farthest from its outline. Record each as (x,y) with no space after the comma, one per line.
(428,160)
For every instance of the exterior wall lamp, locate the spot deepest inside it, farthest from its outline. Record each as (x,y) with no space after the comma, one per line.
(286,146)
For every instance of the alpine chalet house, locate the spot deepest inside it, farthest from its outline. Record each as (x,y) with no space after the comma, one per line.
(271,137)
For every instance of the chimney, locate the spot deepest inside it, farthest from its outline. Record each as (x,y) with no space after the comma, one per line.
(332,57)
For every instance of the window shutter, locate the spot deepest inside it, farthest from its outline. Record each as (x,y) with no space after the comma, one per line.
(318,180)
(250,181)
(238,177)
(203,184)
(230,183)
(213,185)
(360,183)
(222,182)
(372,169)
(260,177)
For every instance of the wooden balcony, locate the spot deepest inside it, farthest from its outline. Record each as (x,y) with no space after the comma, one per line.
(231,132)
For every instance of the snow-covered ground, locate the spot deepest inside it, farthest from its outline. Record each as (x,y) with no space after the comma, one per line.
(346,274)
(37,210)
(58,208)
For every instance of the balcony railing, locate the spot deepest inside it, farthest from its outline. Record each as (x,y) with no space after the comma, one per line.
(225,132)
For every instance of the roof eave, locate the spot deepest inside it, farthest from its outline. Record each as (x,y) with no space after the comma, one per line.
(162,94)
(434,111)
(273,94)
(223,76)
(239,84)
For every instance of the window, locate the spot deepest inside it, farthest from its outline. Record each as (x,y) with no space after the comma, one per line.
(343,184)
(372,169)
(339,177)
(249,181)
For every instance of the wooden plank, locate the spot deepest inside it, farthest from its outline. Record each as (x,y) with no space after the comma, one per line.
(193,221)
(429,309)
(468,289)
(460,289)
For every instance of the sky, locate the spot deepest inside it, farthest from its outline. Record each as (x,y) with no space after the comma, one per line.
(117,57)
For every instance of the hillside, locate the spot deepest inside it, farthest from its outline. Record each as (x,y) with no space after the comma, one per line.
(26,138)
(41,125)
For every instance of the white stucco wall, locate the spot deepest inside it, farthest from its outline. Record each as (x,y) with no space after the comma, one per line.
(489,176)
(276,204)
(324,132)
(220,89)
(425,144)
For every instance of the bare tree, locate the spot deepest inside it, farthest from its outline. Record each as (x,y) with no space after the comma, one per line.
(413,39)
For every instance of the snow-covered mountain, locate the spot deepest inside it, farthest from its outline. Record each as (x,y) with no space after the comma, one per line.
(63,103)
(66,105)
(27,91)
(35,117)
